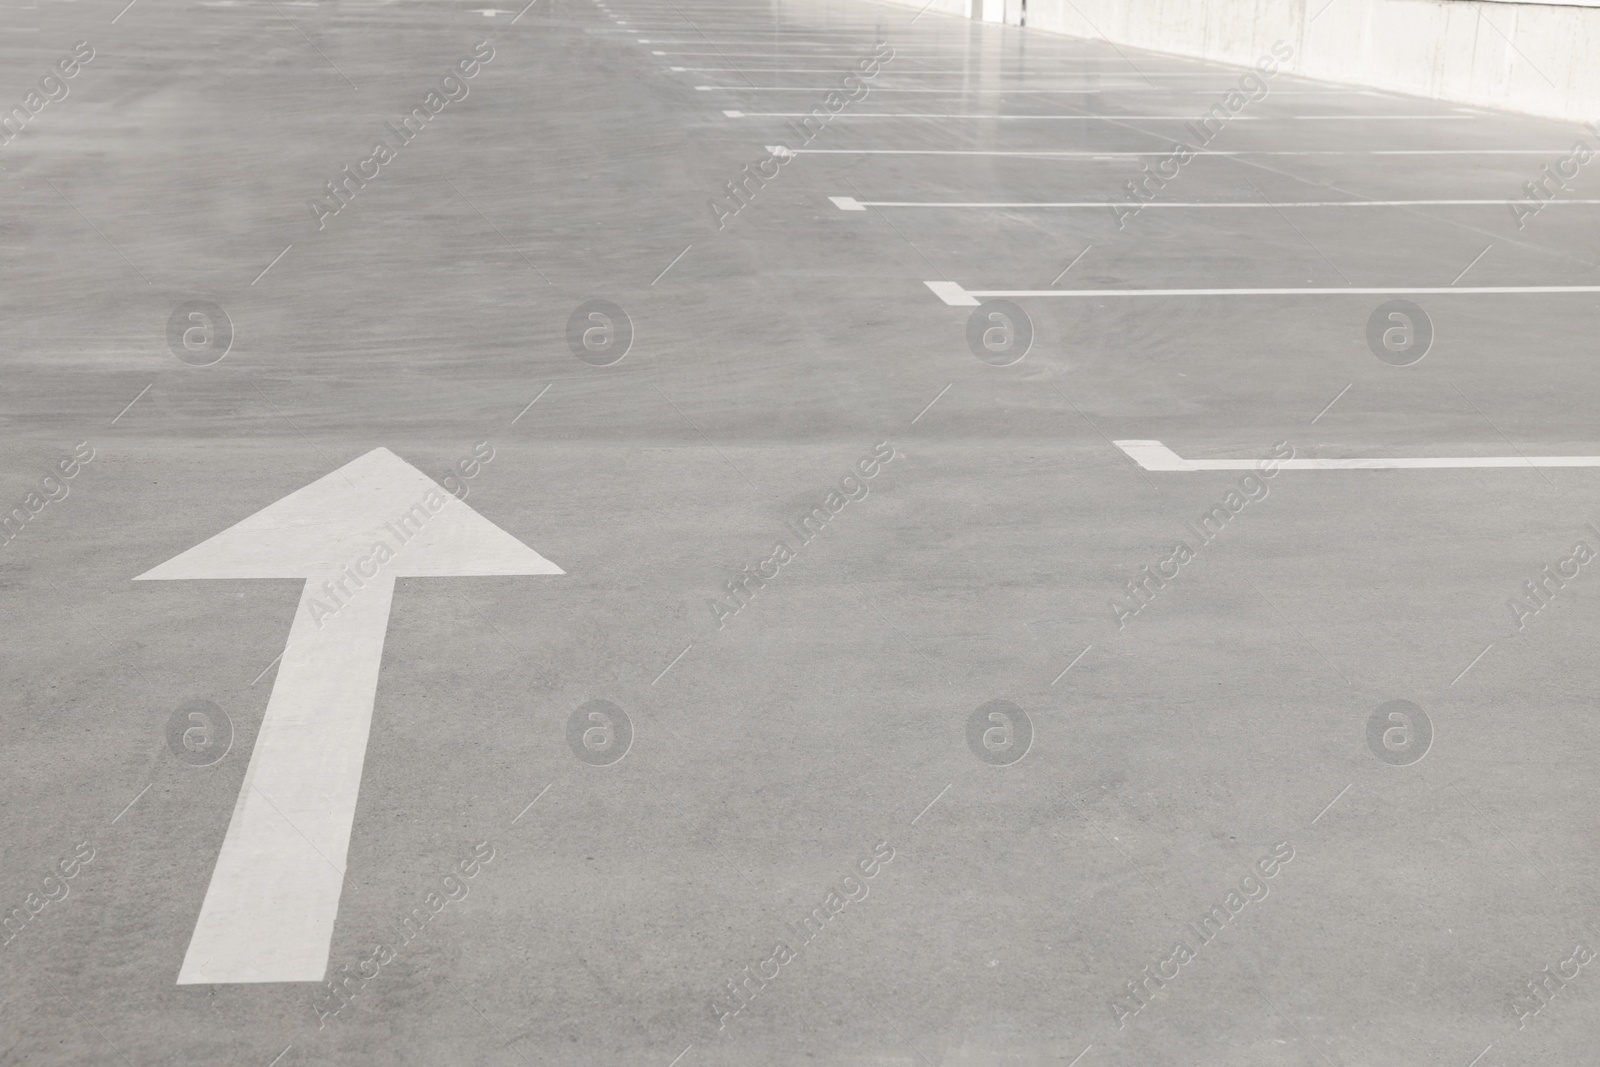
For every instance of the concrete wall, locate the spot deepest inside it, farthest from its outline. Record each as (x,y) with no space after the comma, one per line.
(1536,58)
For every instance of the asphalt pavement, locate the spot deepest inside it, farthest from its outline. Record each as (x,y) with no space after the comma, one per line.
(904,541)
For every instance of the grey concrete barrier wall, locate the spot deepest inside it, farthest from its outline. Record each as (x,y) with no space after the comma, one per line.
(1542,59)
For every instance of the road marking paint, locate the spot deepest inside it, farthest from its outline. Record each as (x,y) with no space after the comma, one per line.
(965,91)
(1142,154)
(849,203)
(799,55)
(1222,76)
(1155,456)
(1080,118)
(269,910)
(937,65)
(955,295)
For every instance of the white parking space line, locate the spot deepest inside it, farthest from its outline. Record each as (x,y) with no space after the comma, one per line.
(953,294)
(1142,153)
(850,203)
(1155,456)
(966,91)
(990,116)
(843,53)
(899,54)
(944,77)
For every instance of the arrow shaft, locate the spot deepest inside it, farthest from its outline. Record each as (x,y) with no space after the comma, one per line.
(269,911)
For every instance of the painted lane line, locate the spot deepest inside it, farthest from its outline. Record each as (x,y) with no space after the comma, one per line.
(1110,79)
(1080,118)
(953,294)
(736,35)
(269,911)
(930,63)
(850,203)
(962,82)
(847,32)
(966,91)
(796,39)
(1155,456)
(1122,154)
(1223,76)
(798,55)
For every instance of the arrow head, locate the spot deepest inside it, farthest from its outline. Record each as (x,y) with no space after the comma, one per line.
(375,499)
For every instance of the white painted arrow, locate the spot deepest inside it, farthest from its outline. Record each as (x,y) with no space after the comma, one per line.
(269,911)
(1155,456)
